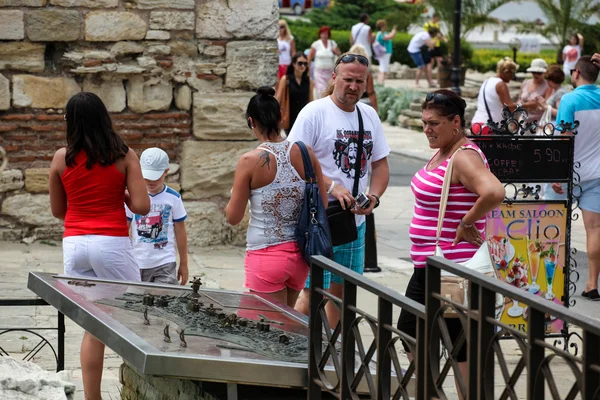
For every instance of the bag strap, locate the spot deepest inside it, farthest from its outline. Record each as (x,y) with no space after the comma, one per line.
(309,172)
(357,166)
(486,104)
(358,32)
(444,196)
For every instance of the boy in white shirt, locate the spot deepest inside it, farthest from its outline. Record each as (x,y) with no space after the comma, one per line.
(154,235)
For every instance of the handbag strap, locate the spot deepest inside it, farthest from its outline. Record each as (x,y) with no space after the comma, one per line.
(487,108)
(444,196)
(358,164)
(309,172)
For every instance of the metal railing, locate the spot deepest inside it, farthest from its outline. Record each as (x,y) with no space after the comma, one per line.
(481,333)
(383,346)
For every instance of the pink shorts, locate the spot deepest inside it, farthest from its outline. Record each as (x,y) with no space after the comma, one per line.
(274,268)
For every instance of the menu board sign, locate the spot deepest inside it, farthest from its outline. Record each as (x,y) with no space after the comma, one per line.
(528,159)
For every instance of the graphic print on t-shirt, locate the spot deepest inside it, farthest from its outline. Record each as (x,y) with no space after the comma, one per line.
(153,227)
(345,151)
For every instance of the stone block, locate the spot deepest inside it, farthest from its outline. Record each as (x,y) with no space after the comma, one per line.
(23,3)
(214,51)
(146,62)
(207,167)
(172,20)
(124,48)
(221,116)
(111,92)
(161,49)
(85,3)
(227,19)
(12,26)
(205,86)
(4,93)
(10,180)
(247,71)
(151,95)
(152,4)
(36,180)
(53,25)
(206,224)
(183,48)
(22,56)
(39,92)
(113,26)
(158,35)
(183,98)
(30,209)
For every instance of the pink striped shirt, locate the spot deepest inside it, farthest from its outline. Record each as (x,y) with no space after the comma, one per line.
(427,188)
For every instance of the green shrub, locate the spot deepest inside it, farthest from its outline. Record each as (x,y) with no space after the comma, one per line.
(484,60)
(392,101)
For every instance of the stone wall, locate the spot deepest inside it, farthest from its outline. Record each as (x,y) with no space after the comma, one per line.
(176,74)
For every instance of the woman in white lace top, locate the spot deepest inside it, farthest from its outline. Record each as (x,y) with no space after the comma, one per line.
(271,177)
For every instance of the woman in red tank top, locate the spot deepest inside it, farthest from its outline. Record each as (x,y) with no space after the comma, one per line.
(89,182)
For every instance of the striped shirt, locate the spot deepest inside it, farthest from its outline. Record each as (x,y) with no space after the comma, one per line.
(427,188)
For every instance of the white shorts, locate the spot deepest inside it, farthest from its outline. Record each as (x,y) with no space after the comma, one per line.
(108,257)
(384,62)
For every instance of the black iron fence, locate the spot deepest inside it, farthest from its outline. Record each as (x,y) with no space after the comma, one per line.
(427,372)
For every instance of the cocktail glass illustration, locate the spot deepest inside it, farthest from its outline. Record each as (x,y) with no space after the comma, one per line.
(534,249)
(516,310)
(550,256)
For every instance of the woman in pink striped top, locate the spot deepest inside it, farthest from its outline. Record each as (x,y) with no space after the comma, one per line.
(474,191)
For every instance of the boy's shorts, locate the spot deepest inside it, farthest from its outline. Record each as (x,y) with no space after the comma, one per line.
(166,273)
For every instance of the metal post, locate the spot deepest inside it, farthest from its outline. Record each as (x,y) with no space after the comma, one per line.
(315,327)
(60,365)
(456,53)
(515,54)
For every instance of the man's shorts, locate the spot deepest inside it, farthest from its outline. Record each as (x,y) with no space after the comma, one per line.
(350,255)
(166,273)
(590,195)
(435,52)
(97,256)
(418,59)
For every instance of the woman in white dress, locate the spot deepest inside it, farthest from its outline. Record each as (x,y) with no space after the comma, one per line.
(572,52)
(324,53)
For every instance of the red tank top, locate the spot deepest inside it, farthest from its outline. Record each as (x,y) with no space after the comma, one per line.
(95,199)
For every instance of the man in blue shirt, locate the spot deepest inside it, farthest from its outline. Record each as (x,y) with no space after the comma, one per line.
(583,105)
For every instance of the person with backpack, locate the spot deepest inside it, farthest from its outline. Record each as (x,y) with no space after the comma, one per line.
(361,34)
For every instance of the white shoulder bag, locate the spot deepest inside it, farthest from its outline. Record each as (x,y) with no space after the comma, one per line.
(453,287)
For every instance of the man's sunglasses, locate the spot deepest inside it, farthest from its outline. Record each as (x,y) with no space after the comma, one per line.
(572,70)
(302,64)
(350,58)
(282,27)
(439,98)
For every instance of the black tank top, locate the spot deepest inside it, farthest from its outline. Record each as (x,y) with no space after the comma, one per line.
(298,96)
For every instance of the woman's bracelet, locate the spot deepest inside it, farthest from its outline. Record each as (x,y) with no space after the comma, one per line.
(465,225)
(331,187)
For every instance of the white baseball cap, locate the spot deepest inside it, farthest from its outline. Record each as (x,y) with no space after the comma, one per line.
(154,163)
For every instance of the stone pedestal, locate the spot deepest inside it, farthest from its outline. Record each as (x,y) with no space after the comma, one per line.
(138,386)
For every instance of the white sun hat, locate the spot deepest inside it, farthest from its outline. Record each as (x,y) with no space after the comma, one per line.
(538,65)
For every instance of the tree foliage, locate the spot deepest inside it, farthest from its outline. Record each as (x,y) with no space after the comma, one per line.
(345,13)
(474,14)
(565,17)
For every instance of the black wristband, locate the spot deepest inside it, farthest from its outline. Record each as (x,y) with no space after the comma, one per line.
(376,198)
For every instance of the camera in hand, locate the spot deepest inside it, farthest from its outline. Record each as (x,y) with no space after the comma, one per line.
(362,200)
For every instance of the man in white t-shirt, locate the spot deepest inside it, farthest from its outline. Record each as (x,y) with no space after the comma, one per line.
(361,34)
(330,126)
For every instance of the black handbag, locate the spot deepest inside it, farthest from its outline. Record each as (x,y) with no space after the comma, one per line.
(342,223)
(312,231)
